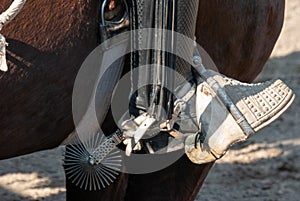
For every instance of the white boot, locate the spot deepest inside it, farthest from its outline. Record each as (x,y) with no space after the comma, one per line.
(256,105)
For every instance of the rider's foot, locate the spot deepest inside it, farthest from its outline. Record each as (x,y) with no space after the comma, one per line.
(255,105)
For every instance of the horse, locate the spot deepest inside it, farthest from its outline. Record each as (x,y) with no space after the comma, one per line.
(49,40)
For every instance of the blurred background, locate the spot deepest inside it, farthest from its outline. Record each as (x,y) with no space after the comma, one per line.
(265,168)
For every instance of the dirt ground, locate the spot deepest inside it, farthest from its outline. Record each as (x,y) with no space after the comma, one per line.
(265,168)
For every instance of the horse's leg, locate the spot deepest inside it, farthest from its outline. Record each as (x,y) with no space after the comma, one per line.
(239,35)
(114,192)
(180,181)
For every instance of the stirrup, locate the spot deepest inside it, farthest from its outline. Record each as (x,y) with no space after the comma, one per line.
(259,104)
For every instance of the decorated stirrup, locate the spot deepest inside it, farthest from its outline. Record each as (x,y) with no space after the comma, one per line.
(230,111)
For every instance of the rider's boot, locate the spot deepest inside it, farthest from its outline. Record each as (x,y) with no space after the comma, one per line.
(229,111)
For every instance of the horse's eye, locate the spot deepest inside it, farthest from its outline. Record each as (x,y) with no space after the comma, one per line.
(114,10)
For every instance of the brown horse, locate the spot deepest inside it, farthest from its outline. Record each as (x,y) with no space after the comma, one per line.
(49,40)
